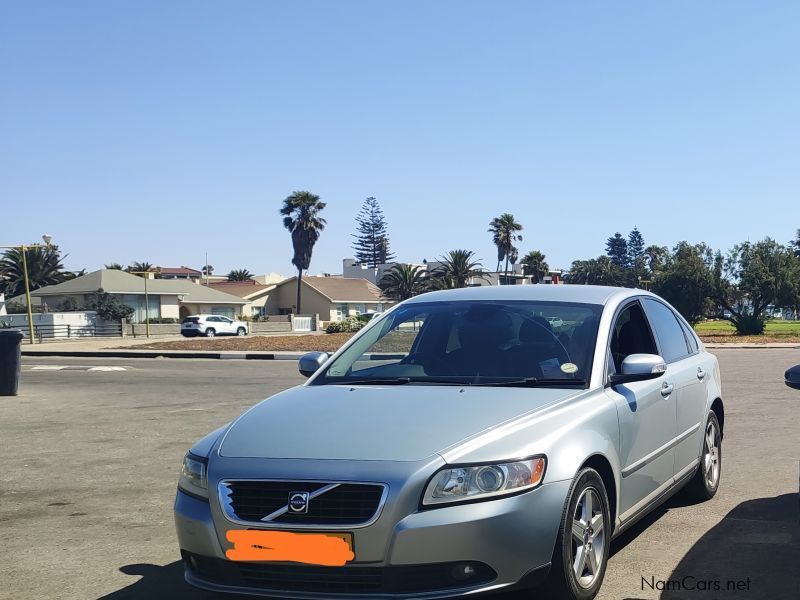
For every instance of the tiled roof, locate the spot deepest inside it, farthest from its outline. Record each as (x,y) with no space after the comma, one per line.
(120,282)
(243,289)
(344,289)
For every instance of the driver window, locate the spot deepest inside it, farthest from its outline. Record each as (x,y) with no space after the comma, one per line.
(631,335)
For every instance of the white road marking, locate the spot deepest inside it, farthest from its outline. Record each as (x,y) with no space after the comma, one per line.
(76,368)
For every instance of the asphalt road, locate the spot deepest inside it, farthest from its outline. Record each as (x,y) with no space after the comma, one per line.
(90,460)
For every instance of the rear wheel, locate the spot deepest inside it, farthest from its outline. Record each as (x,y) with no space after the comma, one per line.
(705,483)
(241,332)
(584,537)
(210,332)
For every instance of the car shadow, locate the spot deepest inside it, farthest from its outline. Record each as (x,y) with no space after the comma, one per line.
(751,553)
(157,583)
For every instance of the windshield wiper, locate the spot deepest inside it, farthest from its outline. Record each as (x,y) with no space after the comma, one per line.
(534,382)
(393,381)
(401,381)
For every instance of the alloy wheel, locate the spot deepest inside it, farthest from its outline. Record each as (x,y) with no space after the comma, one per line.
(588,538)
(711,455)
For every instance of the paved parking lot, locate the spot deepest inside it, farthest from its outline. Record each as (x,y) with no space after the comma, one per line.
(90,459)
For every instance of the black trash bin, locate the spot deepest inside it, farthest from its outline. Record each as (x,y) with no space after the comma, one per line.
(10,361)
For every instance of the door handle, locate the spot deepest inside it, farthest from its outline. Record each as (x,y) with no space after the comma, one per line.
(700,373)
(666,389)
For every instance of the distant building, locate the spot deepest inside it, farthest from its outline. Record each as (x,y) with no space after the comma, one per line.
(332,298)
(167,298)
(177,273)
(255,293)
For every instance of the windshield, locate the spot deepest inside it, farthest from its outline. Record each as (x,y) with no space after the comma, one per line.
(473,343)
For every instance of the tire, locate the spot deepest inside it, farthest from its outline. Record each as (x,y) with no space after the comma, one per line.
(705,483)
(210,332)
(241,332)
(581,552)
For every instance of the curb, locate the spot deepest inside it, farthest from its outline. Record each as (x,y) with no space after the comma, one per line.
(165,354)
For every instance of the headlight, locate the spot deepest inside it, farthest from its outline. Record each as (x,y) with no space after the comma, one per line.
(456,484)
(194,476)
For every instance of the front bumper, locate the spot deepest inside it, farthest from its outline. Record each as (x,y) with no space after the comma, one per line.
(508,542)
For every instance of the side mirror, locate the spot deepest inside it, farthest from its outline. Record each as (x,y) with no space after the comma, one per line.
(793,377)
(310,362)
(640,367)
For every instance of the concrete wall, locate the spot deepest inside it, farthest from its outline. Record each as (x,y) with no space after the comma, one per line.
(170,307)
(277,327)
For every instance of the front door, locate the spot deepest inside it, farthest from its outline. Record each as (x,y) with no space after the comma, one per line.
(646,411)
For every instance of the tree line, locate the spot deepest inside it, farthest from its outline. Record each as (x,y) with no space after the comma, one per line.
(740,285)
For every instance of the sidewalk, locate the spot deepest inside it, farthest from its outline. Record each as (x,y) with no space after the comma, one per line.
(127,348)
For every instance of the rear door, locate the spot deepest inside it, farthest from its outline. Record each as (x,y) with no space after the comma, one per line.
(227,324)
(684,364)
(646,411)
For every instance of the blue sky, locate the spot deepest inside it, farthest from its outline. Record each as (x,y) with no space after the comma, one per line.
(158,131)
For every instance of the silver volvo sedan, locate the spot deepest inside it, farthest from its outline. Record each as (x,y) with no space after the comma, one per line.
(473,440)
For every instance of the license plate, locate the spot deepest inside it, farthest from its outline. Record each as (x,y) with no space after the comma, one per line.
(257,545)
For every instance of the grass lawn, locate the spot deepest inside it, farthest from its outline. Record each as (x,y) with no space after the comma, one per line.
(723,331)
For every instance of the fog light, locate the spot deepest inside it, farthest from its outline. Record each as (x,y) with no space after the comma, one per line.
(463,571)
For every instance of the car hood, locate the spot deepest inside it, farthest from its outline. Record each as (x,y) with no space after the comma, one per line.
(395,423)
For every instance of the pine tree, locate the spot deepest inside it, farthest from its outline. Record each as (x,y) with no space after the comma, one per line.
(617,250)
(635,246)
(371,240)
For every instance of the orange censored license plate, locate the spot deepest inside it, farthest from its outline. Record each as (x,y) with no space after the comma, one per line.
(328,549)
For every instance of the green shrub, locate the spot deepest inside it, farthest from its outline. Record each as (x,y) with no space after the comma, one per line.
(349,325)
(162,321)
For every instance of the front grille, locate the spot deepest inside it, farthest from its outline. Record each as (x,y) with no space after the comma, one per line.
(353,580)
(346,504)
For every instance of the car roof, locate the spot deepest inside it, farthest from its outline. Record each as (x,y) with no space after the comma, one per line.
(587,294)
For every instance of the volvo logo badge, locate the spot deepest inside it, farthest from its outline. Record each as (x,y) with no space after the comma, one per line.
(298,503)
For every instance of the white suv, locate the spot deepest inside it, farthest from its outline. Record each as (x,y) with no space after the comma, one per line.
(212,325)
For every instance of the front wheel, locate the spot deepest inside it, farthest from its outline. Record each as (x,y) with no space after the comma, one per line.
(210,332)
(584,538)
(241,332)
(705,483)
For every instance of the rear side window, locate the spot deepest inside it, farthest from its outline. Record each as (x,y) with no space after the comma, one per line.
(668,331)
(693,347)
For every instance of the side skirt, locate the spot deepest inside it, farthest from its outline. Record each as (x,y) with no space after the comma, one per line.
(657,498)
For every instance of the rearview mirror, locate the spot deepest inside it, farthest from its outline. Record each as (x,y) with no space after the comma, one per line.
(793,377)
(640,367)
(310,362)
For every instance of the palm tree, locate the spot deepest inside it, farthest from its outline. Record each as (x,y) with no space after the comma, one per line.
(301,217)
(534,264)
(595,271)
(44,268)
(457,268)
(504,230)
(114,267)
(240,275)
(403,281)
(139,267)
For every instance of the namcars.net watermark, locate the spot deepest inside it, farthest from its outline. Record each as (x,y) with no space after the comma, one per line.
(690,583)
